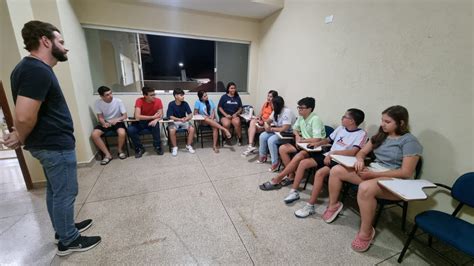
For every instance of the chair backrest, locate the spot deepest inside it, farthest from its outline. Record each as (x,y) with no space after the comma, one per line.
(463,189)
(418,167)
(328,130)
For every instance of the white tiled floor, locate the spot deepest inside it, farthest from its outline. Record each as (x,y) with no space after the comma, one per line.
(204,208)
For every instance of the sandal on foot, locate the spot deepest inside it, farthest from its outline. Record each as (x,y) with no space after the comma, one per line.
(269,186)
(122,156)
(228,135)
(361,245)
(216,150)
(286,182)
(330,215)
(105,161)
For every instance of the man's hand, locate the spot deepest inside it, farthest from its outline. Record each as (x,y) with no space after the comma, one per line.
(327,160)
(153,122)
(11,140)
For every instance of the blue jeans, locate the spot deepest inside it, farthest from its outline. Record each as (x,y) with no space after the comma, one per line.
(60,169)
(270,142)
(135,128)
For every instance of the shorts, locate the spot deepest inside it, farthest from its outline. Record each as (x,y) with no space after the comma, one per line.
(111,128)
(180,125)
(318,157)
(376,167)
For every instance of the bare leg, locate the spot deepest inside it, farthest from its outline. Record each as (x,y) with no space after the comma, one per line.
(237,126)
(96,137)
(366,198)
(225,123)
(190,135)
(291,167)
(121,139)
(318,184)
(337,176)
(173,136)
(214,124)
(302,166)
(252,130)
(285,150)
(215,136)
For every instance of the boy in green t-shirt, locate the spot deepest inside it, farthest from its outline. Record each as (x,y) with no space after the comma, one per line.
(307,128)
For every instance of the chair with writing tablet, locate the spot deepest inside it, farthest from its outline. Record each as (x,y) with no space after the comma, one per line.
(445,227)
(382,203)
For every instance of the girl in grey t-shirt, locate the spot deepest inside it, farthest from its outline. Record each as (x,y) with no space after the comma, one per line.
(397,152)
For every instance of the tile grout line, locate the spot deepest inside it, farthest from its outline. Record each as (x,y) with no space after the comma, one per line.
(225,209)
(17,221)
(90,191)
(394,255)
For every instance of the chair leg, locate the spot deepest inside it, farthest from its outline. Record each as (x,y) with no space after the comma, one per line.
(410,237)
(404,215)
(379,213)
(430,240)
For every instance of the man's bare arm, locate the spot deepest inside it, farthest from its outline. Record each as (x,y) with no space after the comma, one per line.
(26,115)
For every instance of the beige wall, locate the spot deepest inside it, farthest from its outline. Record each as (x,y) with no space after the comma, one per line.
(376,54)
(73,75)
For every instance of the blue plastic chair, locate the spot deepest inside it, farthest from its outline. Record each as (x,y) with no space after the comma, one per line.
(450,229)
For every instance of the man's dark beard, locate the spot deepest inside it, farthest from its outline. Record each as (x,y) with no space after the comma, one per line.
(58,54)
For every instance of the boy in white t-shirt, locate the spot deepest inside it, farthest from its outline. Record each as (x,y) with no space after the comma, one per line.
(347,140)
(111,113)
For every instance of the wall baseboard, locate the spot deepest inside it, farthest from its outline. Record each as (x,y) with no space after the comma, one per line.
(88,163)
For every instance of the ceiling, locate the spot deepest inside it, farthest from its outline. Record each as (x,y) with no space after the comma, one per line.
(255,9)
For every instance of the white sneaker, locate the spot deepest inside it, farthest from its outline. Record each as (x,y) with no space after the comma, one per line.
(174,151)
(190,149)
(306,211)
(294,195)
(250,149)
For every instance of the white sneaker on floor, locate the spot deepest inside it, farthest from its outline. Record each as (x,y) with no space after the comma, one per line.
(306,211)
(250,149)
(294,195)
(190,149)
(174,151)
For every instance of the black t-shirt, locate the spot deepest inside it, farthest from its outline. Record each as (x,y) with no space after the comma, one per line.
(179,111)
(54,129)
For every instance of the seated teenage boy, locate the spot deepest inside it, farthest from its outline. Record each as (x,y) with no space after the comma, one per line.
(308,128)
(148,111)
(181,114)
(347,140)
(110,112)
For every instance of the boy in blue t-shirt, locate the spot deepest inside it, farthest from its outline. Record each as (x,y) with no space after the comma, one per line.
(180,113)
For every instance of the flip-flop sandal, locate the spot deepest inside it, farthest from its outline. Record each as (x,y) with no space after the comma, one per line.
(216,150)
(286,182)
(228,135)
(105,161)
(362,245)
(269,186)
(122,156)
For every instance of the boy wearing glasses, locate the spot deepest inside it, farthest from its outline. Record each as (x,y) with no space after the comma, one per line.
(308,128)
(148,111)
(346,140)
